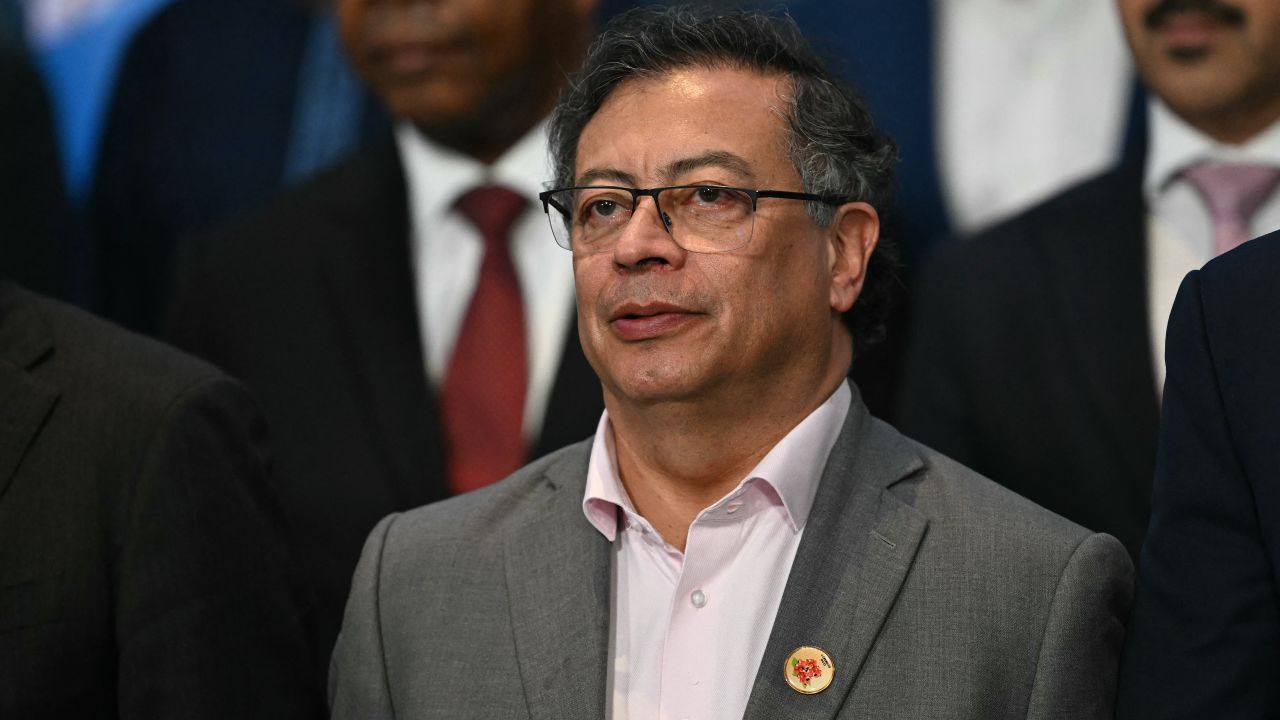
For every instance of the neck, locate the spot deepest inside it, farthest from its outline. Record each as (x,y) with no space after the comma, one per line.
(1236,128)
(484,142)
(675,459)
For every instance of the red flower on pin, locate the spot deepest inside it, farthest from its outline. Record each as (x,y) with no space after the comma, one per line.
(806,670)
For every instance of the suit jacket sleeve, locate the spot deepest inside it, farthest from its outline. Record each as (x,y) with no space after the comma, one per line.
(208,619)
(1205,638)
(358,685)
(1080,653)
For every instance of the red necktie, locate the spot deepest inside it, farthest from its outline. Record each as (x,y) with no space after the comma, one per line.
(482,401)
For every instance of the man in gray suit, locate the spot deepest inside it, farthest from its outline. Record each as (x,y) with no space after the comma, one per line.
(740,538)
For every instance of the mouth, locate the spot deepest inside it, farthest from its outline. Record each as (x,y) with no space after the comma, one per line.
(1187,27)
(646,321)
(413,57)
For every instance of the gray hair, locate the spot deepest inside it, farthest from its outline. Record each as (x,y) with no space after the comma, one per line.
(833,142)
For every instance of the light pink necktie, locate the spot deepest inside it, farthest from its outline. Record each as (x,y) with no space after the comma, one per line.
(1233,192)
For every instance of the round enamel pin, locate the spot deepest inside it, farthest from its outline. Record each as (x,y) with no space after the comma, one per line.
(809,670)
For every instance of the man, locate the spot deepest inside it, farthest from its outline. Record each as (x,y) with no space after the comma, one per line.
(1036,349)
(1207,621)
(143,569)
(218,106)
(406,341)
(719,192)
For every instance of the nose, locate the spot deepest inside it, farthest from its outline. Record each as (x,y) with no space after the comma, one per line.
(645,242)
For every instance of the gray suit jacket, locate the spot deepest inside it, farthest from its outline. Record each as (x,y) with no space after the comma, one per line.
(937,593)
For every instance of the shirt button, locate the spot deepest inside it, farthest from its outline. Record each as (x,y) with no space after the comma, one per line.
(733,507)
(698,598)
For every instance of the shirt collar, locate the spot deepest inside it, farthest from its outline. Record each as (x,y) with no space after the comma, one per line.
(438,175)
(791,470)
(1176,146)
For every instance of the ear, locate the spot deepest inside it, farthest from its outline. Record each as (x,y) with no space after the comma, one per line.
(853,236)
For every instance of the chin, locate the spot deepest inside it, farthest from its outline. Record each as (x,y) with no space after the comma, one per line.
(655,384)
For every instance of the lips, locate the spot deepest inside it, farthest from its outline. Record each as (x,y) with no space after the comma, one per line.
(411,58)
(1190,28)
(647,321)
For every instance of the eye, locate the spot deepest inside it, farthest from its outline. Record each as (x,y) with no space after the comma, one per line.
(711,195)
(602,208)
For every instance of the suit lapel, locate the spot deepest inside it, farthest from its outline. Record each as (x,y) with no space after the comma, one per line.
(558,582)
(368,281)
(1098,278)
(25,402)
(856,552)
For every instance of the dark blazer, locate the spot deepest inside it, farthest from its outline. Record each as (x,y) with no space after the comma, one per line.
(312,305)
(1030,358)
(33,203)
(1206,627)
(143,571)
(937,593)
(197,132)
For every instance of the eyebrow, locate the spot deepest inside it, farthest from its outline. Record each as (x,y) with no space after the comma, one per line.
(607,175)
(714,158)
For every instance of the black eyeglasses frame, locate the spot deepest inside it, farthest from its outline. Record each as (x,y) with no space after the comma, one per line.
(637,193)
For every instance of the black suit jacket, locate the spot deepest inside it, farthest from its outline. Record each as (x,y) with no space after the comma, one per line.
(143,570)
(1030,358)
(197,132)
(1205,636)
(33,204)
(313,306)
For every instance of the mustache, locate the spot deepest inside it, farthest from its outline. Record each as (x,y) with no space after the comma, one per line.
(1216,9)
(646,290)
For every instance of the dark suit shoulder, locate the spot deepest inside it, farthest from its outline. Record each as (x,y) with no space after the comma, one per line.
(1013,246)
(486,514)
(1249,269)
(339,203)
(84,353)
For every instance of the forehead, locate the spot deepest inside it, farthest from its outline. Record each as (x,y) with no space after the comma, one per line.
(647,125)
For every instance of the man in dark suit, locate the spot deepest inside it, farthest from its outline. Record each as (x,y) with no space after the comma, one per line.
(1035,349)
(1205,639)
(218,106)
(346,307)
(143,567)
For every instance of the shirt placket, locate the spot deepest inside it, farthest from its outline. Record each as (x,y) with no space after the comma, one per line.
(698,611)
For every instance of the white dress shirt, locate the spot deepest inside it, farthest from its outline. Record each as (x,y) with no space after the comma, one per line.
(689,629)
(1180,228)
(1032,96)
(446,252)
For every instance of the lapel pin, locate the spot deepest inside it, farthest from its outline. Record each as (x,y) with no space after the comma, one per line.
(809,670)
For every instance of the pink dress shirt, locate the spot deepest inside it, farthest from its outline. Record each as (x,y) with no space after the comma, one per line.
(689,629)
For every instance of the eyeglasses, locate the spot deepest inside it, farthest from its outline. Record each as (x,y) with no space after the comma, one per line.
(699,218)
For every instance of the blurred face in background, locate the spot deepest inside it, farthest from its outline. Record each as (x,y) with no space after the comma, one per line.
(1216,63)
(475,75)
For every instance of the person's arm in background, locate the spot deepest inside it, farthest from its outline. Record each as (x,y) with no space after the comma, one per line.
(1205,636)
(210,619)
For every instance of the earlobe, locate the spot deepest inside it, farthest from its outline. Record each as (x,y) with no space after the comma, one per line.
(854,234)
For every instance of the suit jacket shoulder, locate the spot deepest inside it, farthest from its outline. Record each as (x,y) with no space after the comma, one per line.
(923,578)
(1205,623)
(122,468)
(1029,356)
